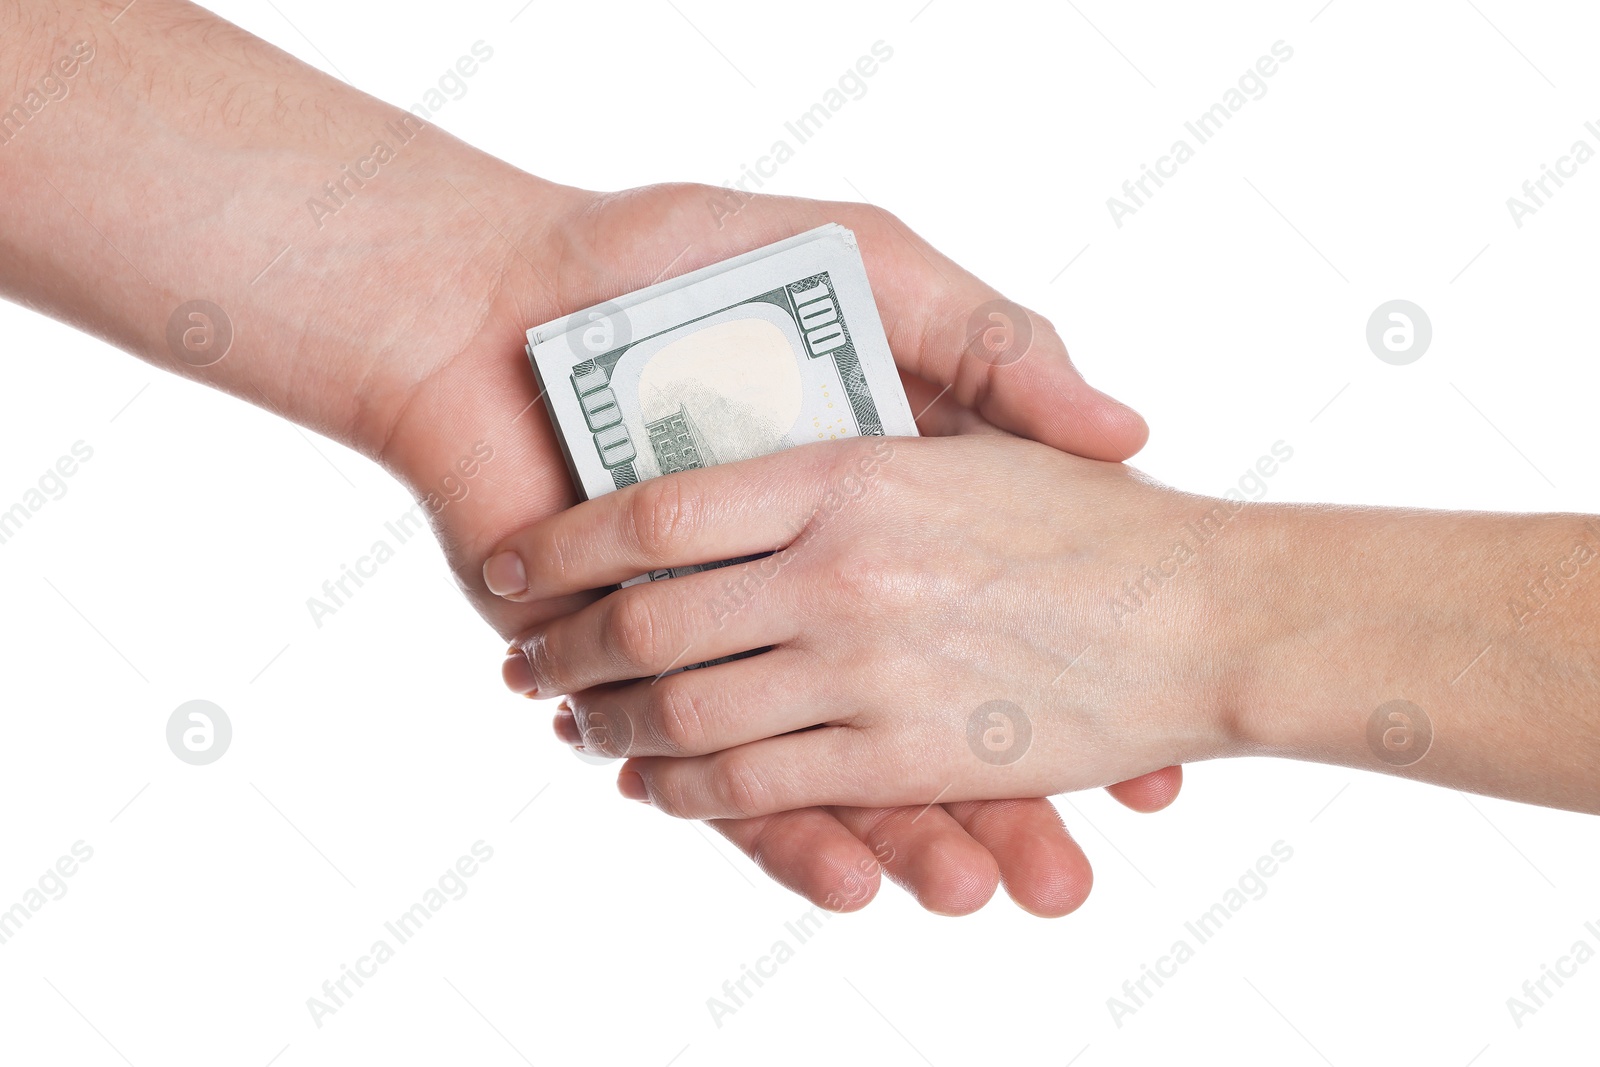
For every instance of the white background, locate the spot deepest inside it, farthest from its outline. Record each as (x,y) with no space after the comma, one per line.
(370,754)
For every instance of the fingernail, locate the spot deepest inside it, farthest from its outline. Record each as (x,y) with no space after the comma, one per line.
(519,674)
(505,575)
(566,725)
(631,785)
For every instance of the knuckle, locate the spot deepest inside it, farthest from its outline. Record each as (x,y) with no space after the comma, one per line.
(666,796)
(633,631)
(845,472)
(886,220)
(867,581)
(661,516)
(739,789)
(844,461)
(558,554)
(1042,326)
(677,715)
(606,729)
(543,661)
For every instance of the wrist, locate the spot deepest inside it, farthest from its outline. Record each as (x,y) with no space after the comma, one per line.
(1187,621)
(1244,631)
(1337,612)
(436,407)
(1248,555)
(1264,619)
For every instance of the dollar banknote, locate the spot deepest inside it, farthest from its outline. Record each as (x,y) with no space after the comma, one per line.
(775,348)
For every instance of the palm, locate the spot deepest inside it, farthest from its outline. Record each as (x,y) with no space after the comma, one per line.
(951,856)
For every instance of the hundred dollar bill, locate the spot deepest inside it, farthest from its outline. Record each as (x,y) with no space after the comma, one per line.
(562,325)
(772,349)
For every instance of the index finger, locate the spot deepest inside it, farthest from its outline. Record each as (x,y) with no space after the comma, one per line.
(700,516)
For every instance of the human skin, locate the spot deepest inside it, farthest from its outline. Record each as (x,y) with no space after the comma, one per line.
(896,609)
(176,164)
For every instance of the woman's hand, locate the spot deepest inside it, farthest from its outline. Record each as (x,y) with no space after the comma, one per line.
(985,617)
(941,620)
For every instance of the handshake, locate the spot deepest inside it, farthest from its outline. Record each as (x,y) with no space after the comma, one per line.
(856,652)
(879,650)
(863,625)
(857,575)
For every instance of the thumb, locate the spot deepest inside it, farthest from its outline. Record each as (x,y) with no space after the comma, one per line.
(988,353)
(1149,792)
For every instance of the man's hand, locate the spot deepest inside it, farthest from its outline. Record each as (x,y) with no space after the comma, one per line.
(189,164)
(940,619)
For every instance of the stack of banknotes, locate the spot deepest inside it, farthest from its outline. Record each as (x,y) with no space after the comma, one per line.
(775,348)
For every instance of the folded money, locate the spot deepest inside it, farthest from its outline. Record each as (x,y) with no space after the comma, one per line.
(762,352)
(771,349)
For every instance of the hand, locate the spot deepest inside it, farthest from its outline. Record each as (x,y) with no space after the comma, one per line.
(951,858)
(944,619)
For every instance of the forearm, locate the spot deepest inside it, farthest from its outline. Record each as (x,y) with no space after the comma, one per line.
(184,159)
(1489,624)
